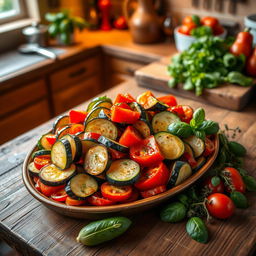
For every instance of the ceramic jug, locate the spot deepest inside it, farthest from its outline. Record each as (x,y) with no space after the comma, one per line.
(144,24)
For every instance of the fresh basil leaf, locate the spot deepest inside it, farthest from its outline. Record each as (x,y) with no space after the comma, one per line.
(239,199)
(197,230)
(173,212)
(209,127)
(200,134)
(172,82)
(180,129)
(199,116)
(250,183)
(192,123)
(236,148)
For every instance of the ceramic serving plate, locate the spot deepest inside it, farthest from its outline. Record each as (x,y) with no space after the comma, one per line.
(96,212)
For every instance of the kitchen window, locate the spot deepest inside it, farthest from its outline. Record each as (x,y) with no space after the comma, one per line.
(11,10)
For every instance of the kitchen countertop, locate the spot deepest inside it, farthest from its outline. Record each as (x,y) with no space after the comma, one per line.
(35,230)
(115,42)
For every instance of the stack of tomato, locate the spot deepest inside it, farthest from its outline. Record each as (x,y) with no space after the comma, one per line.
(191,22)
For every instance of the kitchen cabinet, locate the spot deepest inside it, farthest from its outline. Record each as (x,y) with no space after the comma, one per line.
(21,109)
(118,69)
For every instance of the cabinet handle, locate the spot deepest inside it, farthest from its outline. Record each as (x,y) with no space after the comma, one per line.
(130,71)
(78,72)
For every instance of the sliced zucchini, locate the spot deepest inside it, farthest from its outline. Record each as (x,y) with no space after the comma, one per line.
(60,122)
(103,103)
(143,127)
(94,113)
(43,142)
(87,144)
(170,145)
(51,175)
(137,107)
(105,113)
(200,163)
(179,172)
(112,144)
(162,120)
(96,100)
(100,178)
(188,149)
(61,154)
(152,104)
(63,131)
(80,135)
(41,152)
(123,172)
(81,186)
(32,169)
(97,160)
(196,144)
(103,127)
(76,146)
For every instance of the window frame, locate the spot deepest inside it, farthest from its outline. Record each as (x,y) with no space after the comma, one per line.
(23,13)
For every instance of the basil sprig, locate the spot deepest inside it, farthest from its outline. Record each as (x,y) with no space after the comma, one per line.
(197,126)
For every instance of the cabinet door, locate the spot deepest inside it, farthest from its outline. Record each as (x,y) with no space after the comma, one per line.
(75,73)
(76,94)
(21,95)
(24,120)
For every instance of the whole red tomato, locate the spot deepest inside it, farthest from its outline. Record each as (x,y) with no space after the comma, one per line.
(233,178)
(211,187)
(210,22)
(251,64)
(220,206)
(186,29)
(218,29)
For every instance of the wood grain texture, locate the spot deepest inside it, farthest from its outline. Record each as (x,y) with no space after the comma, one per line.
(36,230)
(233,97)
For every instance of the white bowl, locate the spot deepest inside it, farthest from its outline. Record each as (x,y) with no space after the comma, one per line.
(182,42)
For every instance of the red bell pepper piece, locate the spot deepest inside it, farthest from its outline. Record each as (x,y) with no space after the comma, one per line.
(51,138)
(146,153)
(124,98)
(184,112)
(76,116)
(130,137)
(75,128)
(122,115)
(170,100)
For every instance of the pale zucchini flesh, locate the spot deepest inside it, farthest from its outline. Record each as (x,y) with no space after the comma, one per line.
(162,120)
(32,169)
(143,127)
(170,145)
(196,144)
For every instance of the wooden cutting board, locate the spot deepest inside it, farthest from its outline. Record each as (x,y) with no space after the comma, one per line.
(229,96)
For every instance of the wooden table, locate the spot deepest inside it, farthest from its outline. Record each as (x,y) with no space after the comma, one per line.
(35,230)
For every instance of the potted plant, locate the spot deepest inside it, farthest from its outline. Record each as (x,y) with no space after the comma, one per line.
(62,26)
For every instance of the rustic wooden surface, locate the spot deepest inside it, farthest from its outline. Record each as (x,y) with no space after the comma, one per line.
(229,96)
(35,230)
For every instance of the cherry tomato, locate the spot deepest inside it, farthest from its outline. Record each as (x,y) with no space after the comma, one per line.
(116,193)
(214,189)
(41,161)
(209,147)
(73,202)
(218,30)
(153,191)
(184,112)
(191,19)
(134,196)
(49,190)
(120,23)
(75,128)
(76,116)
(170,100)
(130,137)
(147,152)
(251,64)
(59,196)
(153,177)
(220,206)
(186,29)
(235,180)
(98,200)
(210,22)
(242,44)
